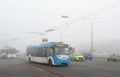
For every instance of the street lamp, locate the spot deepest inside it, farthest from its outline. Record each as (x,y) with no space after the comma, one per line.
(91,33)
(91,49)
(63,16)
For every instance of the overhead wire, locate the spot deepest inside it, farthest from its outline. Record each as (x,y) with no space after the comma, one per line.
(94,13)
(108,7)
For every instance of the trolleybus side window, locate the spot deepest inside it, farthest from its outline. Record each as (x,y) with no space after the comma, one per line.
(45,52)
(40,52)
(31,52)
(37,52)
(51,51)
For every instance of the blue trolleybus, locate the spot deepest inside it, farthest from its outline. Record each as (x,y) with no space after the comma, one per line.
(53,53)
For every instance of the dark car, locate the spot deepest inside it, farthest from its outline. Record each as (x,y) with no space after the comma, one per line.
(88,56)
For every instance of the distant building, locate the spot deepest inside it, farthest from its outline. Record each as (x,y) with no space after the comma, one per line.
(8,52)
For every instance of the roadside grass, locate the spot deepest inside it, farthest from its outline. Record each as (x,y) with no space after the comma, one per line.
(100,56)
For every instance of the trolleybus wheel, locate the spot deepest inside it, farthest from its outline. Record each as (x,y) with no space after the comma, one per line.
(50,62)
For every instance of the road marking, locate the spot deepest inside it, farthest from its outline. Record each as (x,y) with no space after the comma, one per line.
(49,72)
(39,69)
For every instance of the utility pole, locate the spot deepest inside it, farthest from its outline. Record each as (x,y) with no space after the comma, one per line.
(91,49)
(61,37)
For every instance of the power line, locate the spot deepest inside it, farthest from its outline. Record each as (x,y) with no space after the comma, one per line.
(96,12)
(108,7)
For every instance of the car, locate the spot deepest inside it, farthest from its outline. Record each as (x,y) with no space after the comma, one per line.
(77,57)
(113,58)
(88,55)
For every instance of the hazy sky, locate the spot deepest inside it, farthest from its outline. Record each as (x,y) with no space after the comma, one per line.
(18,17)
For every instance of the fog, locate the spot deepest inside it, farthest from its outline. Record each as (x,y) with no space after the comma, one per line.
(20,17)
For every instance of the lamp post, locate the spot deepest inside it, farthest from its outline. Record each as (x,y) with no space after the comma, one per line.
(63,16)
(91,33)
(91,49)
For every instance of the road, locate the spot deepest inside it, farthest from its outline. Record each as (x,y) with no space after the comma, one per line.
(94,68)
(19,68)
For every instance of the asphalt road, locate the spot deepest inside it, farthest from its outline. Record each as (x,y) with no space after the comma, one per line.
(19,68)
(94,68)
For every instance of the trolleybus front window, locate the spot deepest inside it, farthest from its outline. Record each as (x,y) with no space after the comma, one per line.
(61,51)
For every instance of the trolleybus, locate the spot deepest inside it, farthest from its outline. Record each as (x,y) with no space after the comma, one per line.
(53,53)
